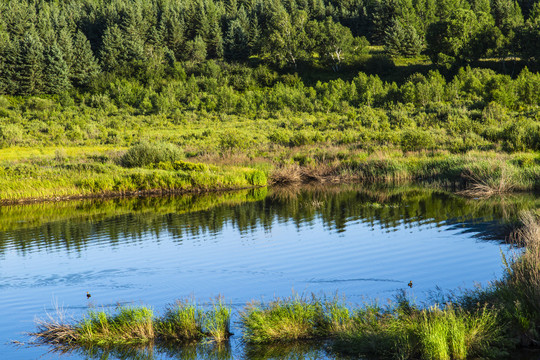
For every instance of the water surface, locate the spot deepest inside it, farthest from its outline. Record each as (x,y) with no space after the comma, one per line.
(365,245)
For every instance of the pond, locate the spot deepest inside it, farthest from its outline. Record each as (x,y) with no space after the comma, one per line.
(362,244)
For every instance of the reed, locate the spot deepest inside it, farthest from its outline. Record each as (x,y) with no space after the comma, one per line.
(181,322)
(216,321)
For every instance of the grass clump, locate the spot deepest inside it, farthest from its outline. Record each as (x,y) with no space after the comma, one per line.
(181,322)
(216,322)
(131,325)
(405,331)
(451,333)
(291,319)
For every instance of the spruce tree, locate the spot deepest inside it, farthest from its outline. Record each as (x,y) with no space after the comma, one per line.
(113,51)
(85,66)
(56,71)
(29,69)
(402,39)
(237,42)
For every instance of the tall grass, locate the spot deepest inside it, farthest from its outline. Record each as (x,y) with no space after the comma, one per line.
(295,318)
(216,321)
(405,331)
(451,333)
(130,325)
(181,322)
(518,293)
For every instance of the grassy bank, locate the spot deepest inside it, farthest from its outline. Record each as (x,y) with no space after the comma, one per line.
(146,168)
(162,168)
(486,323)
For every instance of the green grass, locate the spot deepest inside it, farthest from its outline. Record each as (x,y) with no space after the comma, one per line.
(292,319)
(52,179)
(129,325)
(216,322)
(181,322)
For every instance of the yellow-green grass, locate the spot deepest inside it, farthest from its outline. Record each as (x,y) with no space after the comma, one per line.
(18,153)
(35,182)
(127,325)
(295,318)
(93,171)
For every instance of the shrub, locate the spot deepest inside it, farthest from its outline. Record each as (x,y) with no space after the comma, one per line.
(144,154)
(10,134)
(413,140)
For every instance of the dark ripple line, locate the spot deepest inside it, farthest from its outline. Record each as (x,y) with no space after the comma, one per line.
(353,280)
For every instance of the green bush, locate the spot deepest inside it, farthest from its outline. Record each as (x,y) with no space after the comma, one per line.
(10,134)
(414,140)
(145,153)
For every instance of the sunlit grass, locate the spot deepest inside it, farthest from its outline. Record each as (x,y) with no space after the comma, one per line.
(294,318)
(129,325)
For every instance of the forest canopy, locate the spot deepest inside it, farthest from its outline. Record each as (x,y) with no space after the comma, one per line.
(51,46)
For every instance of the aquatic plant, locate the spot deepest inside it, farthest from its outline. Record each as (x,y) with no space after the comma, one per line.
(181,322)
(216,321)
(294,318)
(130,325)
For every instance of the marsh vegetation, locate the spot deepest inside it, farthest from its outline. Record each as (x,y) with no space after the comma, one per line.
(485,323)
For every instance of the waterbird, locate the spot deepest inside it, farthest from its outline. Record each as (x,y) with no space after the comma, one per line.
(410,284)
(88,296)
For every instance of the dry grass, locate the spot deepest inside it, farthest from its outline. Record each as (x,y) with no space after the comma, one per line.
(55,329)
(295,174)
(484,183)
(518,294)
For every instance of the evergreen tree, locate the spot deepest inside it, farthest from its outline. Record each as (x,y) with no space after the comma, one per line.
(10,61)
(29,68)
(507,15)
(196,50)
(237,42)
(85,66)
(64,40)
(56,71)
(402,39)
(113,53)
(172,27)
(4,67)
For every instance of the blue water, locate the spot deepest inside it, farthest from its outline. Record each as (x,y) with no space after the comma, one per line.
(250,247)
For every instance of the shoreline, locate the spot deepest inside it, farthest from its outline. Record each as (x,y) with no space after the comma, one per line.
(474,174)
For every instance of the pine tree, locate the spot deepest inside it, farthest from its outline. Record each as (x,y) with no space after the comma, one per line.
(29,68)
(237,42)
(56,71)
(196,50)
(5,45)
(64,40)
(10,59)
(113,52)
(402,39)
(85,66)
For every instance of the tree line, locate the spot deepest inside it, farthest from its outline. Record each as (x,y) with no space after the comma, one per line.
(48,46)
